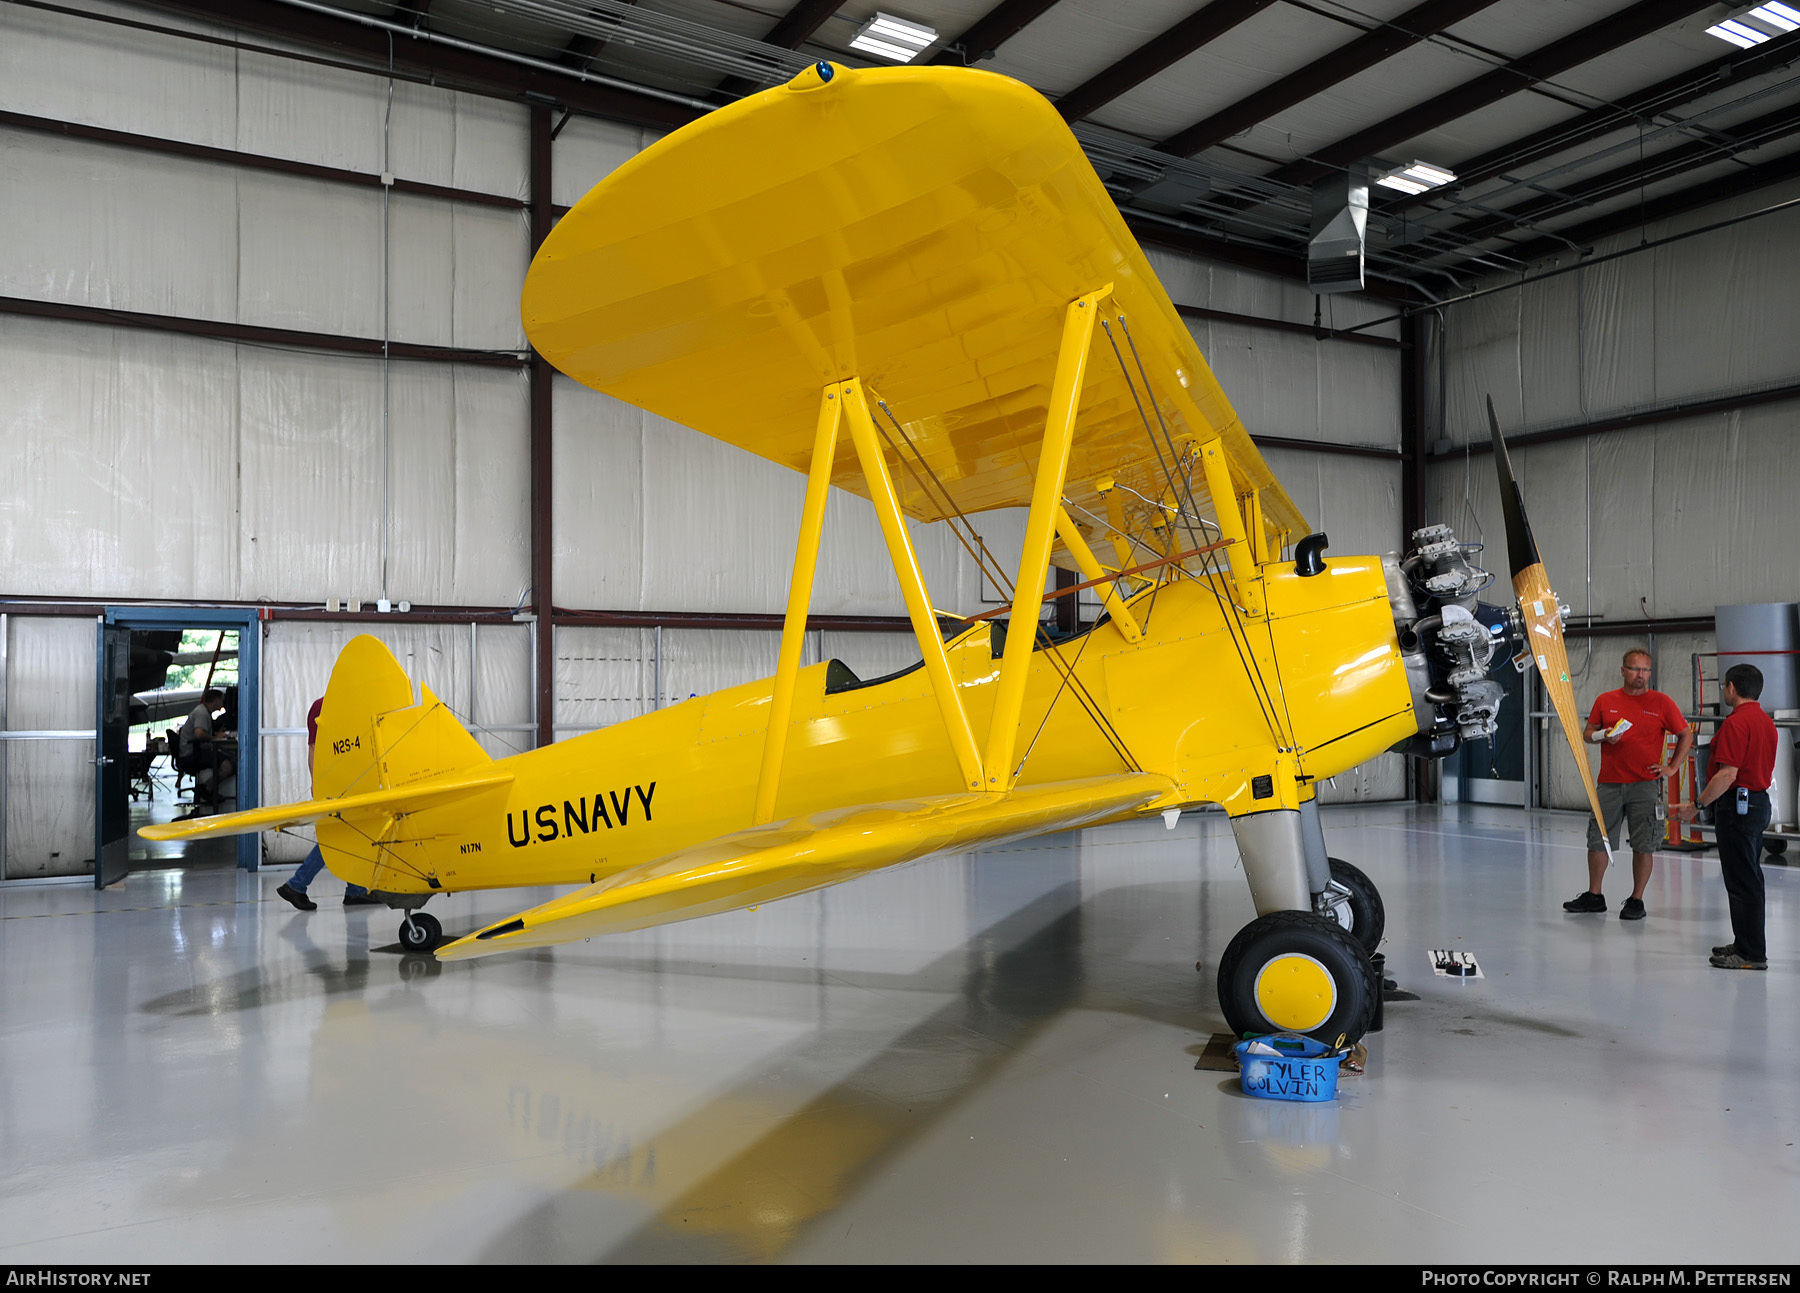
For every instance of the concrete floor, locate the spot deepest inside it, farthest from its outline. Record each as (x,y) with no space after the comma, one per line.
(977,1058)
(190,855)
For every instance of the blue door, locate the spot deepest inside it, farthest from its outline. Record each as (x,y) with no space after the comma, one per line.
(115,798)
(112,760)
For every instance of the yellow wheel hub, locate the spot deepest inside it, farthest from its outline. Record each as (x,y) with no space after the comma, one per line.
(1295,992)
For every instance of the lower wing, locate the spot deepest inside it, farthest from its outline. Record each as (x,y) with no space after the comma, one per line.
(764,863)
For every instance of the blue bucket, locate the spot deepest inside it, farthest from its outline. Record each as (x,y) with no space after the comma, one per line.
(1304,1070)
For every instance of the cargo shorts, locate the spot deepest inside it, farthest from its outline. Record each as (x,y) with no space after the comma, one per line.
(1631,802)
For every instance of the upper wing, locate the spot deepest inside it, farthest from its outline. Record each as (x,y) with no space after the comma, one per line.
(400,799)
(764,863)
(922,228)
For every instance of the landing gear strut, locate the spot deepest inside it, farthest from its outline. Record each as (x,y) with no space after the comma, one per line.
(420,932)
(1352,900)
(1302,966)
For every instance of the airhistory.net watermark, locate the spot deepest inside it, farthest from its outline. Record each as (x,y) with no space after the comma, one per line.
(16,1278)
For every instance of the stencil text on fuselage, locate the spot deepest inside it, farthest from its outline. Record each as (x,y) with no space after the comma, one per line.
(606,810)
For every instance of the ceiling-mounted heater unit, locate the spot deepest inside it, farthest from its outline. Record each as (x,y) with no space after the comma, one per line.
(1340,221)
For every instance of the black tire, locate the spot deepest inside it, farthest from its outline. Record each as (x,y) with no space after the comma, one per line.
(1363,914)
(1281,936)
(1775,848)
(420,932)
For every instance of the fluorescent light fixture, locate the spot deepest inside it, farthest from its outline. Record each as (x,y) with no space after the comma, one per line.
(1780,16)
(1749,28)
(894,39)
(881,49)
(1741,34)
(1416,177)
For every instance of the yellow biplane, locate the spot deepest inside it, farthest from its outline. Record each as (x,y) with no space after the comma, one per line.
(909,283)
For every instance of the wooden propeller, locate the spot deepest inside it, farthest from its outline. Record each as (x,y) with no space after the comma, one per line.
(1540,612)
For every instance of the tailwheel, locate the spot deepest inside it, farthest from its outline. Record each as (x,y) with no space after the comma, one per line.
(420,932)
(1355,903)
(1294,972)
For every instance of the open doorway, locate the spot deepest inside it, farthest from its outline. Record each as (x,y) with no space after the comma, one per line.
(176,771)
(178,725)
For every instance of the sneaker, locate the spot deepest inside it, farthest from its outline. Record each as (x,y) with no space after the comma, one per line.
(1732,961)
(1631,909)
(298,898)
(1724,949)
(1586,902)
(364,899)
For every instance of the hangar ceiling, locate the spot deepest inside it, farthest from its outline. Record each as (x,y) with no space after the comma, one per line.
(1563,121)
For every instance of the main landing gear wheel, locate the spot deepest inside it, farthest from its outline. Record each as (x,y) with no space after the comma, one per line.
(1355,904)
(420,932)
(1294,972)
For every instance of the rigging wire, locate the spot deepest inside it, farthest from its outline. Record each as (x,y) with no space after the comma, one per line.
(1105,524)
(1144,417)
(1131,763)
(979,550)
(1041,637)
(1286,734)
(384,855)
(1246,656)
(1124,372)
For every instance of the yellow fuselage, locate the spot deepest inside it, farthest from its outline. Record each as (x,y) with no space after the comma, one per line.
(1180,702)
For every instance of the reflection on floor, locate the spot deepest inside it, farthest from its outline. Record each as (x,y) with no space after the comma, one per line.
(162,806)
(977,1058)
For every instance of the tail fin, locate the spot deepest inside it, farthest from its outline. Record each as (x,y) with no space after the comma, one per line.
(374,743)
(372,736)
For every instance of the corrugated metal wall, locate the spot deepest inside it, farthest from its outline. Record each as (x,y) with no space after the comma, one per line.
(1664,520)
(137,464)
(49,781)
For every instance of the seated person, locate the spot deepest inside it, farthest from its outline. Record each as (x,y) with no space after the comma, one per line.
(198,753)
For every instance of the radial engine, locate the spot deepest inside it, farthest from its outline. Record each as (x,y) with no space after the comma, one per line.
(1449,640)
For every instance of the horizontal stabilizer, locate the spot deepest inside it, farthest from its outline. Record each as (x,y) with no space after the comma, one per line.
(391,803)
(759,865)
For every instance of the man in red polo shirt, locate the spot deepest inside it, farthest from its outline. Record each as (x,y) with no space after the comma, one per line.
(1629,725)
(1737,789)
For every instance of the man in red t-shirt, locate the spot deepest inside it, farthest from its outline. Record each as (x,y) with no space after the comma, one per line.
(1629,725)
(1737,788)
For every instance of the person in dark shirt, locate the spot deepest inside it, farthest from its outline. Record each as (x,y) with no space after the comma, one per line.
(1737,790)
(197,750)
(294,891)
(1630,724)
